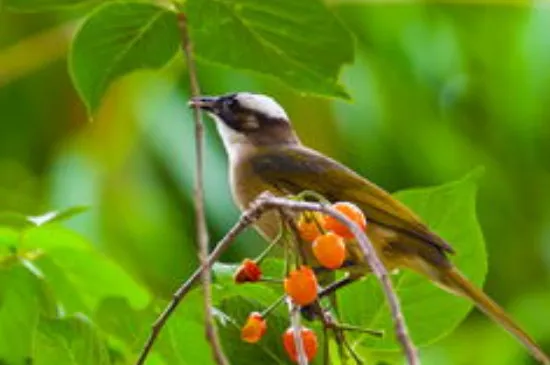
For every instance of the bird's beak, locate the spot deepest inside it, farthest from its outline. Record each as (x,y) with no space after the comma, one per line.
(206,103)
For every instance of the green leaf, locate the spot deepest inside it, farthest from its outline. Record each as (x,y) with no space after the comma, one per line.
(57,216)
(129,328)
(23,297)
(269,349)
(15,220)
(119,38)
(20,221)
(300,42)
(69,341)
(9,239)
(41,5)
(234,302)
(183,341)
(78,274)
(430,312)
(116,316)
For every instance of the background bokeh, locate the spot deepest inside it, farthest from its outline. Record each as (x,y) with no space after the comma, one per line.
(437,91)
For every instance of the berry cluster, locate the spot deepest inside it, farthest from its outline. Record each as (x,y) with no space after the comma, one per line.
(327,236)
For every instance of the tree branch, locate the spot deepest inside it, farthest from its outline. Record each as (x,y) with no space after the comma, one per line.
(200,216)
(266,202)
(294,312)
(246,219)
(378,269)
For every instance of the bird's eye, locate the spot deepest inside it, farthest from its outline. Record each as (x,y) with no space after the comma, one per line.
(231,104)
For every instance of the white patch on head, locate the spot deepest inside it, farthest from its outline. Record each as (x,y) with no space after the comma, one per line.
(262,104)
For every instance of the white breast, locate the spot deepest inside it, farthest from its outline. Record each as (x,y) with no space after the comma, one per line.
(232,140)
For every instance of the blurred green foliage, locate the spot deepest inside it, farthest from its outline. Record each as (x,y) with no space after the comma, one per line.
(437,89)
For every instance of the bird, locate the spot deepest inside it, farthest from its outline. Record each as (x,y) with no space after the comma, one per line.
(266,155)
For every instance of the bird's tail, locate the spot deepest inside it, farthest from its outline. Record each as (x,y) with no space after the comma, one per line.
(453,280)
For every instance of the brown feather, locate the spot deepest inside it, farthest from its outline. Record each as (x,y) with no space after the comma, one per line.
(296,168)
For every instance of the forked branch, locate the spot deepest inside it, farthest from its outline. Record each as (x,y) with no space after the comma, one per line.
(261,205)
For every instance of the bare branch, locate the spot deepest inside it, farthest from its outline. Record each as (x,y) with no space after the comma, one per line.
(294,311)
(378,269)
(266,202)
(246,219)
(200,215)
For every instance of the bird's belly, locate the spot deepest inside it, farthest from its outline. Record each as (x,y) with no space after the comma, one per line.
(245,189)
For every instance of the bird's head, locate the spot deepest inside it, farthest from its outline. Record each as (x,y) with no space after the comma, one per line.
(248,118)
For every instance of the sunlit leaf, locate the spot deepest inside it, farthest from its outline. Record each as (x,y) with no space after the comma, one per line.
(23,298)
(119,38)
(14,220)
(430,312)
(69,341)
(233,303)
(56,216)
(9,238)
(183,340)
(269,349)
(300,42)
(20,221)
(79,275)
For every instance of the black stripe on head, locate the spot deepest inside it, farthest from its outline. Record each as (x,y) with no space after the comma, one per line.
(243,112)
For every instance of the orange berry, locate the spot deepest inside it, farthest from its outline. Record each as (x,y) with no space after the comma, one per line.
(330,250)
(248,271)
(301,286)
(351,211)
(254,328)
(308,226)
(309,339)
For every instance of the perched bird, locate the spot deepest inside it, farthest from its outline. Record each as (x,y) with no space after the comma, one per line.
(265,154)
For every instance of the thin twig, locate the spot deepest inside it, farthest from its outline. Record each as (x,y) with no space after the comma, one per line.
(200,216)
(294,312)
(266,202)
(246,219)
(378,269)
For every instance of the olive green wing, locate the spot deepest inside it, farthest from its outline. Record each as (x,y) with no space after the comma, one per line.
(295,169)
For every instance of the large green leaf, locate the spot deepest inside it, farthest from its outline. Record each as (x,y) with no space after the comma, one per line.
(23,298)
(119,38)
(9,238)
(430,312)
(78,274)
(299,42)
(116,316)
(234,302)
(19,221)
(69,341)
(269,349)
(183,339)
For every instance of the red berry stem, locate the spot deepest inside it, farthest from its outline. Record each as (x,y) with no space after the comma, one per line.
(312,194)
(270,247)
(266,312)
(349,327)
